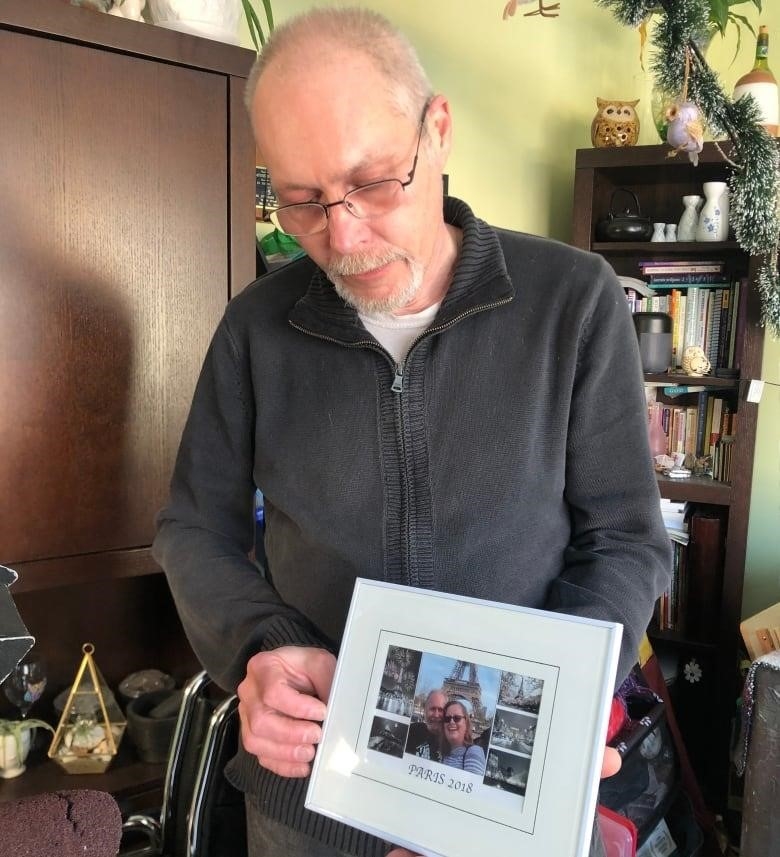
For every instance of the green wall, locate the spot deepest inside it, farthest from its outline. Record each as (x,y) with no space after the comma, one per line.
(523,95)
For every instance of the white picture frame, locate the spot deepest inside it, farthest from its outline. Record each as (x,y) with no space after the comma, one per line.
(545,683)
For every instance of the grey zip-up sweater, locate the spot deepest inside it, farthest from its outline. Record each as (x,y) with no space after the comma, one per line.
(506,459)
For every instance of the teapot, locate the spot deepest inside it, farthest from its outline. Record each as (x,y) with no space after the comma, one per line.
(629,225)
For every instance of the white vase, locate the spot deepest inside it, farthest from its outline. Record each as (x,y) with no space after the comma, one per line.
(11,759)
(686,228)
(713,222)
(659,232)
(213,19)
(670,233)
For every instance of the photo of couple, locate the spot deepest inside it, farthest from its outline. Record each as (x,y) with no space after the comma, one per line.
(458,714)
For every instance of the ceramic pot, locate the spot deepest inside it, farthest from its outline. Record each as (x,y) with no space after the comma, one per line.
(13,753)
(213,19)
(659,232)
(686,228)
(713,222)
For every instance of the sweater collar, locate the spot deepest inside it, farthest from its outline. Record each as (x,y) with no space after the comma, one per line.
(480,280)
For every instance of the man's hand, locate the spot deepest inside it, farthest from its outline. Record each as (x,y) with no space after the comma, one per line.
(609,766)
(281,705)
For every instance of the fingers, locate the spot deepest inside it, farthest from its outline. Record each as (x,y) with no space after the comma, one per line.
(402,852)
(279,707)
(611,763)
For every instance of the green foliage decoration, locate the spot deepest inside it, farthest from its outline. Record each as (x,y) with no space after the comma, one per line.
(754,179)
(256,31)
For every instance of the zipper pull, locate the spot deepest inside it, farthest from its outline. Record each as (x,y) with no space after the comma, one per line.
(398,379)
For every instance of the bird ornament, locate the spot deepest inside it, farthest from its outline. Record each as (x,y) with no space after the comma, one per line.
(685,132)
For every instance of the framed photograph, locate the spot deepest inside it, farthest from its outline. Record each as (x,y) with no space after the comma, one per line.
(525,695)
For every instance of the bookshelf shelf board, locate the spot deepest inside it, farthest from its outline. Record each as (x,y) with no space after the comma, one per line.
(679,639)
(670,379)
(696,490)
(134,784)
(662,248)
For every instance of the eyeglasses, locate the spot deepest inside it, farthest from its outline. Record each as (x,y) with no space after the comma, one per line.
(369,200)
(453,718)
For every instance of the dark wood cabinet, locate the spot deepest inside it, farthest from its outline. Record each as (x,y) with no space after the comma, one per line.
(127,212)
(705,699)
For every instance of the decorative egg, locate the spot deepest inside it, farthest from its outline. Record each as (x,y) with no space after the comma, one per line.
(695,361)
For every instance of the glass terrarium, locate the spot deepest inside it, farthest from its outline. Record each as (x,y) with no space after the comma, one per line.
(91,726)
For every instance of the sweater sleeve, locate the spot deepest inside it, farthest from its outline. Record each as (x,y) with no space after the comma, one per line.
(205,534)
(619,557)
(474,760)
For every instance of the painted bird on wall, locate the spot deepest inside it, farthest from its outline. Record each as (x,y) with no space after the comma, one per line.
(546,11)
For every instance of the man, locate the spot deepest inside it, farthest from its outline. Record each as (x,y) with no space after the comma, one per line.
(424,739)
(424,400)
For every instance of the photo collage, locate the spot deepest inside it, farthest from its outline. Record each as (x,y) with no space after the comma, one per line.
(438,713)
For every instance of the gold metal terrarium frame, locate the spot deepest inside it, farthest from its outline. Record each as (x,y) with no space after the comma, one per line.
(91,726)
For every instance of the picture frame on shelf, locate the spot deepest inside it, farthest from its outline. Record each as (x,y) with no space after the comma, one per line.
(537,688)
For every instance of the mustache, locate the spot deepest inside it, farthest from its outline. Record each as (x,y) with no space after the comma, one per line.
(360,263)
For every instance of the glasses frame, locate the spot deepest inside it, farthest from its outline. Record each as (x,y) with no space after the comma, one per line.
(453,718)
(326,206)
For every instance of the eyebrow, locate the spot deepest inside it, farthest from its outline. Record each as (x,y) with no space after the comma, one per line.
(368,162)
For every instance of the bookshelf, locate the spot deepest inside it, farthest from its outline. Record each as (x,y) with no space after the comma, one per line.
(706,651)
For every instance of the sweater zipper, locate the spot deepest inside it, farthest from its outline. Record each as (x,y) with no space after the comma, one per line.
(397,388)
(398,375)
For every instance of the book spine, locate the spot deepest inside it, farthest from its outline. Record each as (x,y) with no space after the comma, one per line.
(714,327)
(717,412)
(725,317)
(679,331)
(682,280)
(741,323)
(701,419)
(691,315)
(676,270)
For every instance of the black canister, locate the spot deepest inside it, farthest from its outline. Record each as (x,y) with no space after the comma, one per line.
(654,332)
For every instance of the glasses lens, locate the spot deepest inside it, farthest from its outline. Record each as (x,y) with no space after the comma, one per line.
(453,718)
(373,200)
(305,218)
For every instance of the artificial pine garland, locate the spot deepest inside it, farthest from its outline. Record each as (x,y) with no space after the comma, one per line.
(754,181)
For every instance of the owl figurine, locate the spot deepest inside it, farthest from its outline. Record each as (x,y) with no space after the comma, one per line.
(615,124)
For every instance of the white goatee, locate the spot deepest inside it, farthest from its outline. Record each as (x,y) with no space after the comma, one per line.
(360,263)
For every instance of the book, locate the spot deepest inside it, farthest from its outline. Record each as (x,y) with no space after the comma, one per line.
(679,263)
(687,278)
(688,268)
(701,419)
(691,318)
(717,412)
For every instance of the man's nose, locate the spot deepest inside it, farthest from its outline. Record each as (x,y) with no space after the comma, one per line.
(346,231)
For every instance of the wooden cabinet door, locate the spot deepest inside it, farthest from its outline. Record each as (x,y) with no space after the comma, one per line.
(113,274)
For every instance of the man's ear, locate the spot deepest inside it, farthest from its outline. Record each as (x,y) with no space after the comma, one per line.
(439,127)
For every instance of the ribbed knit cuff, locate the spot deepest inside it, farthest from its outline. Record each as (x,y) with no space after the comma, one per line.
(282,799)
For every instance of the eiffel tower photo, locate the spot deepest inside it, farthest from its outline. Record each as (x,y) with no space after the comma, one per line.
(463,683)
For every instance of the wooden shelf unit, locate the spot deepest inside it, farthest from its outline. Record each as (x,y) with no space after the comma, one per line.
(704,708)
(128,222)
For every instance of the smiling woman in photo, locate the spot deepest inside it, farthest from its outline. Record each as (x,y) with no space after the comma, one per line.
(458,747)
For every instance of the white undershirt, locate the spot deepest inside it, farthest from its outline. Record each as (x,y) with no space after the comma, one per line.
(397,332)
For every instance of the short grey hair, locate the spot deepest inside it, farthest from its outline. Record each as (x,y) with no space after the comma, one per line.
(321,31)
